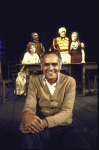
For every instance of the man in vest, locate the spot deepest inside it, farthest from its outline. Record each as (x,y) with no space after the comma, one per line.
(39,46)
(61,45)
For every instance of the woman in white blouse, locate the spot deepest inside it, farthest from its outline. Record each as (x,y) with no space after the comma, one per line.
(30,57)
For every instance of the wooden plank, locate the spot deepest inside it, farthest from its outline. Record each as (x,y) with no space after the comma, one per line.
(79,124)
(91,90)
(85,116)
(89,103)
(90,66)
(90,135)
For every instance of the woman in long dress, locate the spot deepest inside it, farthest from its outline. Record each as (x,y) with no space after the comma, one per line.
(77,56)
(30,57)
(76,49)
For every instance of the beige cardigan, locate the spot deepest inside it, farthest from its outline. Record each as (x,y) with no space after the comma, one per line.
(57,109)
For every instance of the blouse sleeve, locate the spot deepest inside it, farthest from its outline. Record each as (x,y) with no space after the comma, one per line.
(37,60)
(25,58)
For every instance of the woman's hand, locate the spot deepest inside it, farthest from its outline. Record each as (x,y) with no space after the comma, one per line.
(82,45)
(83,62)
(25,62)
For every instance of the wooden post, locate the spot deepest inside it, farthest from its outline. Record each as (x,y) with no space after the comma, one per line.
(69,70)
(27,78)
(0,72)
(83,80)
(3,92)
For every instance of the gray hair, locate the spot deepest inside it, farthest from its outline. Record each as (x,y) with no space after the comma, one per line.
(32,35)
(75,33)
(50,52)
(61,29)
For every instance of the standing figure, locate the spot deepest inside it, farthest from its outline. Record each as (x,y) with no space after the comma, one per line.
(61,45)
(38,46)
(30,57)
(76,49)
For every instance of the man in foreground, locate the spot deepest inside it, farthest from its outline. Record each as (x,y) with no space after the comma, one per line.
(47,114)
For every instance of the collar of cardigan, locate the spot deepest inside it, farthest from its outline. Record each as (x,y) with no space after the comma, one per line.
(45,80)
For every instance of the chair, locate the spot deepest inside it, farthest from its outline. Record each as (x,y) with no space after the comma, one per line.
(12,70)
(5,90)
(95,84)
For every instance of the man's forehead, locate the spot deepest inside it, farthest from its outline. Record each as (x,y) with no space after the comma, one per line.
(50,58)
(62,29)
(74,34)
(35,34)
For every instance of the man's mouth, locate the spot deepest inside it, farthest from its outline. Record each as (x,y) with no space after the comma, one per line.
(51,72)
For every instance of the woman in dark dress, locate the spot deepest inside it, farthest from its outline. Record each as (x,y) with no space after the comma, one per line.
(76,49)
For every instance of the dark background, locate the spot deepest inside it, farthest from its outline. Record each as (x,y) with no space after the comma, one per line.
(19,19)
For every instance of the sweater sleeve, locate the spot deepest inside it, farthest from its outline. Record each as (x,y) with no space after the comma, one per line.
(31,100)
(65,113)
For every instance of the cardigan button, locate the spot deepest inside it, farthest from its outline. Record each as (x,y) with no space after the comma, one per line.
(51,100)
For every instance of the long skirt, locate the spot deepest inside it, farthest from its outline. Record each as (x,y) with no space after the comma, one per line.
(76,59)
(21,83)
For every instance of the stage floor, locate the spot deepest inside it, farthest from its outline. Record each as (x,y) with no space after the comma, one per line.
(85,117)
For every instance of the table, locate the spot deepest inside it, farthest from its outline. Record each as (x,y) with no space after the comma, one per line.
(86,66)
(67,67)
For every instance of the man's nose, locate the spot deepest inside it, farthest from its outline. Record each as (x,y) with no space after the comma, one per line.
(50,67)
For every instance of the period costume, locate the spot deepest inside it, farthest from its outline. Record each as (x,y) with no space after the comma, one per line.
(39,47)
(57,108)
(75,50)
(31,58)
(21,78)
(61,45)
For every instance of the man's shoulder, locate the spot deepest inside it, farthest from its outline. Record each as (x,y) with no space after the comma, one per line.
(26,53)
(66,78)
(67,38)
(59,39)
(38,42)
(35,54)
(62,77)
(37,78)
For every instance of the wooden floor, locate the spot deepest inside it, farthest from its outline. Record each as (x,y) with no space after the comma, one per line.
(85,118)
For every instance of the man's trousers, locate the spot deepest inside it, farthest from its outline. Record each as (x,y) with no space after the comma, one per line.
(61,137)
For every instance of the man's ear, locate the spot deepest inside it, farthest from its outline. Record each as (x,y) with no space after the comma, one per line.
(60,67)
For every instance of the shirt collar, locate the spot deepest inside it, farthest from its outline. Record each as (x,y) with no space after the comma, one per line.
(45,80)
